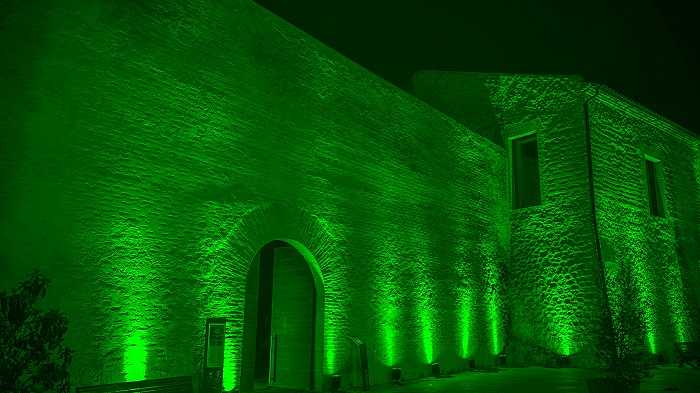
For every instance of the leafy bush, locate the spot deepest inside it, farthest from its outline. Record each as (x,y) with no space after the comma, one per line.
(33,357)
(628,360)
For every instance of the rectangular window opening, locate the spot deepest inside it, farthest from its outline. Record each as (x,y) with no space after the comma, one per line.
(655,191)
(525,172)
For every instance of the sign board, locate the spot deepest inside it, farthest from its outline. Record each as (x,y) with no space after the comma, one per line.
(215,342)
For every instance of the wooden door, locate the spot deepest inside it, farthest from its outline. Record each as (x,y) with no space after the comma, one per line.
(292,322)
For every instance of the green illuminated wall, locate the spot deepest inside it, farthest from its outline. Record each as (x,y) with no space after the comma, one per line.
(151,150)
(554,281)
(661,251)
(554,294)
(553,261)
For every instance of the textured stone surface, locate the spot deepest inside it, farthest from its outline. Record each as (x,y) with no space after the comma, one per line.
(158,147)
(151,150)
(661,250)
(553,276)
(554,293)
(555,296)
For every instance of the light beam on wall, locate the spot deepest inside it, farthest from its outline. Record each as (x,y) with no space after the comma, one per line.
(492,296)
(678,307)
(465,301)
(646,292)
(464,296)
(230,377)
(325,249)
(388,292)
(220,222)
(135,357)
(425,312)
(132,265)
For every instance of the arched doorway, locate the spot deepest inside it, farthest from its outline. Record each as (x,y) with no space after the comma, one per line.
(282,330)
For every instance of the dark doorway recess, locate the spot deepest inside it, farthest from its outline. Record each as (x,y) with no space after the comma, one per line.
(280,340)
(263,337)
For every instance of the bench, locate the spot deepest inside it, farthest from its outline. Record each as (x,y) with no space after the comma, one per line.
(162,385)
(688,353)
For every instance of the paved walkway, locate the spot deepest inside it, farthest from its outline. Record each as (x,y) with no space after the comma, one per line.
(670,378)
(543,380)
(535,380)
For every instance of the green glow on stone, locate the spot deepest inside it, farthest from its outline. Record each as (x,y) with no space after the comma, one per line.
(646,290)
(135,357)
(389,336)
(425,308)
(426,323)
(633,251)
(386,282)
(565,345)
(493,326)
(492,298)
(464,315)
(325,242)
(636,239)
(230,378)
(203,143)
(563,326)
(676,301)
(496,347)
(220,222)
(132,271)
(651,340)
(330,360)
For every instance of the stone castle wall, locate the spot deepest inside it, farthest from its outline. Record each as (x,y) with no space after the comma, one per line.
(661,252)
(553,277)
(157,147)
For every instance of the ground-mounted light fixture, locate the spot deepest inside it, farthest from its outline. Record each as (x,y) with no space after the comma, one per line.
(502,359)
(435,370)
(335,383)
(396,375)
(660,358)
(563,361)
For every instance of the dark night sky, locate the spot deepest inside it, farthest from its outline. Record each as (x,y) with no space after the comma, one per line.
(645,49)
